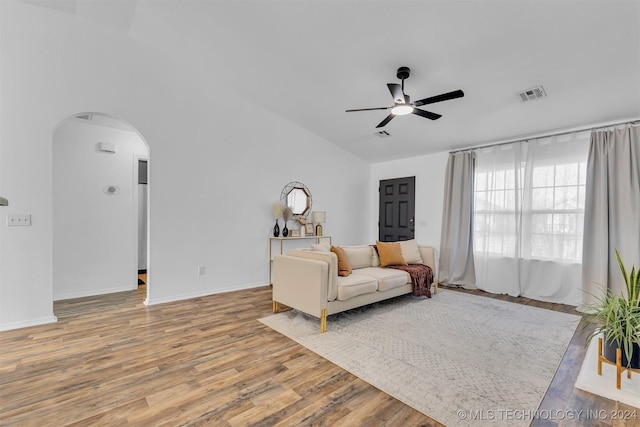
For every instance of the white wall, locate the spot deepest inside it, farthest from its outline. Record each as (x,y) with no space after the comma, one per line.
(94,233)
(429,171)
(214,175)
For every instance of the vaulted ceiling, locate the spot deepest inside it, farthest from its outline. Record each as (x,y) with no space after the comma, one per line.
(308,61)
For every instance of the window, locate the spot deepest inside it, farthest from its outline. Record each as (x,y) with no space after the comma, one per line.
(529,205)
(557,211)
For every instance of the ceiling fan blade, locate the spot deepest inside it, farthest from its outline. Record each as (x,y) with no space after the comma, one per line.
(368,109)
(386,120)
(439,98)
(427,114)
(396,92)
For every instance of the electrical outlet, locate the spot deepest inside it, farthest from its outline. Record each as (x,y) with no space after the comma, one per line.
(19,220)
(201,270)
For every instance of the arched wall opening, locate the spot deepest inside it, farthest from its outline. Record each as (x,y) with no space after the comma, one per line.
(100,210)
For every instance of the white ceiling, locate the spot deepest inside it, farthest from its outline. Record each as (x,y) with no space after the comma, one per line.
(308,61)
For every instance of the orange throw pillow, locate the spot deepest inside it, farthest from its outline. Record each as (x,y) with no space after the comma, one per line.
(390,254)
(344,265)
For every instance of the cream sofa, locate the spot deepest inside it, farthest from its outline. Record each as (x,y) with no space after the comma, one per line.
(307,280)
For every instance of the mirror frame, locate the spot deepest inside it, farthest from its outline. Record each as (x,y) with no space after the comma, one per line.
(284,196)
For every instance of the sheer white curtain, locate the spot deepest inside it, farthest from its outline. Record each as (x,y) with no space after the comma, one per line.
(528,217)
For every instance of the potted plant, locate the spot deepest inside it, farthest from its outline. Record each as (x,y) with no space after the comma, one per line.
(618,319)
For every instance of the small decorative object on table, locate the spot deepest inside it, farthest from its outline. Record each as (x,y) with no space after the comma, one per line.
(318,217)
(286,214)
(303,222)
(309,228)
(277,211)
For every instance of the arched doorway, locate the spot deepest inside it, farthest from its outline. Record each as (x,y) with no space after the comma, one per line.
(98,235)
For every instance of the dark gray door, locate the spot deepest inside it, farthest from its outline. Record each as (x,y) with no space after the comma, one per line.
(397,209)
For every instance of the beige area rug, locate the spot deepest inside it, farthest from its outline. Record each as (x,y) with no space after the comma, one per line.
(605,385)
(457,358)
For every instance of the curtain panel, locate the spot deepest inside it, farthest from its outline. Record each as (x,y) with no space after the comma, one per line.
(611,209)
(456,265)
(528,217)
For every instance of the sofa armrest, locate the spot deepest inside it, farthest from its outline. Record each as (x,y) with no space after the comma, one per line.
(430,257)
(332,261)
(301,283)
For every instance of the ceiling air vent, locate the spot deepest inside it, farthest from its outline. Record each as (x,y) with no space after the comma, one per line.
(383,134)
(532,93)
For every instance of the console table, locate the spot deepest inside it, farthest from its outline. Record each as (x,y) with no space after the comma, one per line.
(281,240)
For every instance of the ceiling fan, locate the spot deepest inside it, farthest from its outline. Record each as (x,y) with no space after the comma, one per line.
(402,104)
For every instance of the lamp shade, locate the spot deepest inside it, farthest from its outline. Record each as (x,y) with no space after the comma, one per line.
(4,202)
(318,216)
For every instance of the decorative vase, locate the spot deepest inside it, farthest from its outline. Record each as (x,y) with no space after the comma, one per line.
(285,230)
(276,229)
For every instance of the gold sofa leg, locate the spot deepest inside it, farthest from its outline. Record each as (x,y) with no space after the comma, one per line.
(275,306)
(323,321)
(435,286)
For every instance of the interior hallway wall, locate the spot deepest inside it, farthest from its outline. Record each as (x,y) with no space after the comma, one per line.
(94,231)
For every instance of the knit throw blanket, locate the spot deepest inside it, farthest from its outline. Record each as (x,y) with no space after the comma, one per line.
(421,277)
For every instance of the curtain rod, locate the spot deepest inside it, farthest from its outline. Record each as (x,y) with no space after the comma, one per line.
(592,128)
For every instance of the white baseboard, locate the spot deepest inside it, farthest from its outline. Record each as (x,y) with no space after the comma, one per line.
(91,292)
(204,293)
(27,323)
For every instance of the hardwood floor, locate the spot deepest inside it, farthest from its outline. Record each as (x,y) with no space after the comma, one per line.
(109,360)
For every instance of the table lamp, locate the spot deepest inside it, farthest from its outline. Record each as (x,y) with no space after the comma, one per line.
(318,217)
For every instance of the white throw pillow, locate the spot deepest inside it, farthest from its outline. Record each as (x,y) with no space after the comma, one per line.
(359,256)
(410,252)
(323,246)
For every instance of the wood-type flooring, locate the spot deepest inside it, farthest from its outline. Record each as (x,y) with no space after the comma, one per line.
(110,360)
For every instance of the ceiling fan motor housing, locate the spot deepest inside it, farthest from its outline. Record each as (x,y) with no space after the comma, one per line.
(403,73)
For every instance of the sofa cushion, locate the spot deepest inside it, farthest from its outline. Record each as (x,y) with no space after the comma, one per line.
(344,266)
(354,285)
(410,251)
(359,256)
(323,246)
(388,278)
(390,254)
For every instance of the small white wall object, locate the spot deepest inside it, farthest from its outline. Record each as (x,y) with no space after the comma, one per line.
(107,147)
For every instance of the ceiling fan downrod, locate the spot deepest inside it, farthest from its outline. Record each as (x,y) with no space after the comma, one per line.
(403,73)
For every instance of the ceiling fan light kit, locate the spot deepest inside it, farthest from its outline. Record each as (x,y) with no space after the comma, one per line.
(402,110)
(402,104)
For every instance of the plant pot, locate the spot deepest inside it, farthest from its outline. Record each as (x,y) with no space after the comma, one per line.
(609,351)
